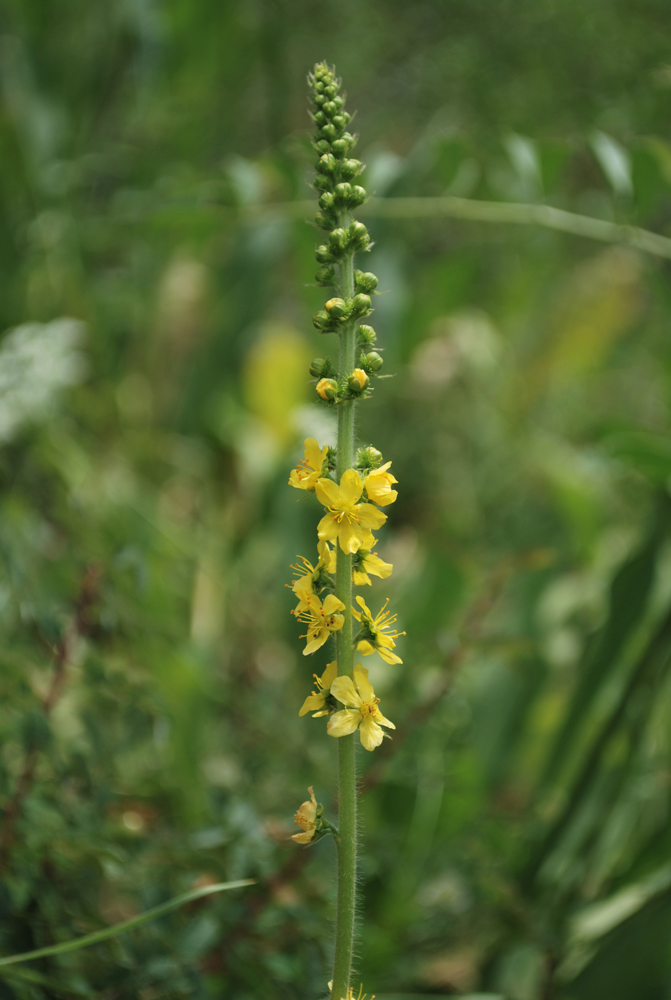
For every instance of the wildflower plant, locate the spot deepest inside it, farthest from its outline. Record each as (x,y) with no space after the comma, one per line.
(353,487)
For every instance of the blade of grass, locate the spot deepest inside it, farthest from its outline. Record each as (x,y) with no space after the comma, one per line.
(125,925)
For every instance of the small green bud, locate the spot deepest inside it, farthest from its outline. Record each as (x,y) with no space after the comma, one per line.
(319,100)
(328,132)
(319,118)
(349,140)
(357,230)
(327,164)
(339,102)
(361,305)
(321,367)
(368,458)
(331,91)
(357,196)
(325,276)
(338,239)
(321,320)
(339,147)
(366,334)
(324,221)
(327,200)
(323,146)
(349,168)
(374,361)
(321,183)
(365,281)
(323,255)
(336,308)
(340,120)
(343,192)
(319,86)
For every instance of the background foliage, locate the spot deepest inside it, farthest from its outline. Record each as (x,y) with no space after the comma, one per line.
(154,394)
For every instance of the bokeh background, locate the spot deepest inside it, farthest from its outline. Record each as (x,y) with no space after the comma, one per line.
(156,302)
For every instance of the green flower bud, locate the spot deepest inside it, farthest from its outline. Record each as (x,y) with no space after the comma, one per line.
(318,85)
(358,196)
(319,118)
(343,192)
(373,361)
(325,221)
(321,183)
(319,100)
(322,367)
(357,230)
(366,334)
(338,239)
(328,132)
(336,308)
(365,281)
(339,147)
(340,120)
(368,458)
(349,140)
(323,255)
(339,102)
(327,164)
(349,168)
(361,305)
(321,320)
(331,90)
(323,146)
(325,276)
(327,200)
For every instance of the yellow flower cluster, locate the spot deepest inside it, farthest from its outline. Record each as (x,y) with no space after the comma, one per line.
(352,513)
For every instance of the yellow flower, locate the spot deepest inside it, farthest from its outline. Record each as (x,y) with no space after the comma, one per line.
(347,521)
(376,632)
(311,579)
(321,619)
(378,485)
(318,698)
(308,471)
(327,388)
(361,710)
(366,562)
(350,993)
(306,818)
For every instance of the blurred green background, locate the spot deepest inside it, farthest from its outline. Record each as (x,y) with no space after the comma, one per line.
(154,393)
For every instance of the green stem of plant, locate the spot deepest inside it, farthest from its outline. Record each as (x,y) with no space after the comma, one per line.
(346,905)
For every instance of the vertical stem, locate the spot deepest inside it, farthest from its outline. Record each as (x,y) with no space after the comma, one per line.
(346,905)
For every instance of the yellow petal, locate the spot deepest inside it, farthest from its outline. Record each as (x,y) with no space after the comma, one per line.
(387,656)
(365,647)
(343,689)
(370,733)
(329,675)
(359,579)
(351,486)
(364,607)
(327,492)
(336,622)
(364,685)
(314,455)
(349,536)
(331,605)
(378,567)
(369,516)
(303,838)
(381,721)
(315,641)
(312,702)
(328,528)
(343,723)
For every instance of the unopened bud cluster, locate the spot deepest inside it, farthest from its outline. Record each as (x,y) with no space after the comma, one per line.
(337,171)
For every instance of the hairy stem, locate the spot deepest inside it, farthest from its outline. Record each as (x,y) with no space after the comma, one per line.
(346,904)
